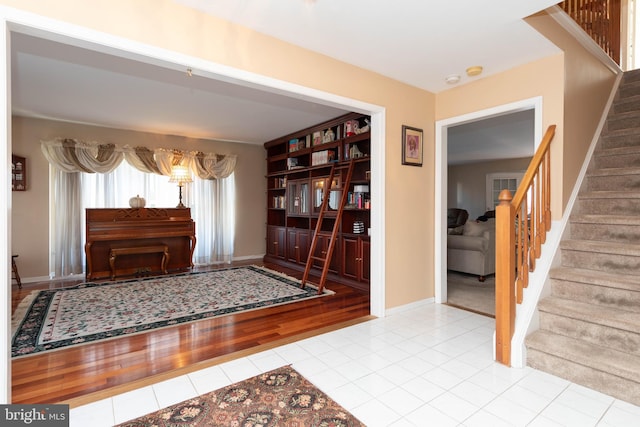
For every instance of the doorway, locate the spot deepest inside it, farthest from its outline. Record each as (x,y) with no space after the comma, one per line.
(442,134)
(16,22)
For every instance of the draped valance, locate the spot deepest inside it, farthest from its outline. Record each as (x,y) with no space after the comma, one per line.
(71,155)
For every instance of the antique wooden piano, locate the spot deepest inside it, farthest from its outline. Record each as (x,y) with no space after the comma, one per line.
(139,241)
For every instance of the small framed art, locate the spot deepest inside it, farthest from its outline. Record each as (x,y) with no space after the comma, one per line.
(18,173)
(412,146)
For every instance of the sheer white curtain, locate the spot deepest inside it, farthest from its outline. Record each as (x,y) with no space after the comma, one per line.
(67,224)
(215,219)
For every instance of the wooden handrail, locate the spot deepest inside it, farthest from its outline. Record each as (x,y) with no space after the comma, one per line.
(522,222)
(601,20)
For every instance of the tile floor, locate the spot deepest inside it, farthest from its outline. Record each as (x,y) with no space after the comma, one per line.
(424,365)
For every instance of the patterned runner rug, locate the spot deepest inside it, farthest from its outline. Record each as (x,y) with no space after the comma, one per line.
(53,319)
(281,397)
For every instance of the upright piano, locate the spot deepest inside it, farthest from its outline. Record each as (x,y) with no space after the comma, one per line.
(125,242)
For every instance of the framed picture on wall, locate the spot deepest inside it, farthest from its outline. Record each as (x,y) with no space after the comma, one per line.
(412,146)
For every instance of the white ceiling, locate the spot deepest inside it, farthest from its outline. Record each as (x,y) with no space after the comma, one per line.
(419,42)
(507,136)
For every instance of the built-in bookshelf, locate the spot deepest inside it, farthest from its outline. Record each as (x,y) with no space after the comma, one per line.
(298,170)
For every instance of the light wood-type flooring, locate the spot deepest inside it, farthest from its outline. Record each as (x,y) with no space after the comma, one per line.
(90,372)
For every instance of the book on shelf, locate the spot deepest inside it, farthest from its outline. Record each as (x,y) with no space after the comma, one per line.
(278,202)
(317,138)
(322,157)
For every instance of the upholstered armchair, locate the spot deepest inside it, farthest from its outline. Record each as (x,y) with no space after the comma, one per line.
(473,251)
(456,217)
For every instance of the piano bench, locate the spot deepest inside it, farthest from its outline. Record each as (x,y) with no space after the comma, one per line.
(115,252)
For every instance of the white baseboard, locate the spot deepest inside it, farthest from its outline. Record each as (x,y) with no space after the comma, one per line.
(410,306)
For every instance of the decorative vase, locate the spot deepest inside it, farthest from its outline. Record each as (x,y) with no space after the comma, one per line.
(137,202)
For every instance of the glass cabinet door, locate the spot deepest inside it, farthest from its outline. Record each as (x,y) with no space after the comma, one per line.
(317,187)
(335,194)
(298,195)
(304,197)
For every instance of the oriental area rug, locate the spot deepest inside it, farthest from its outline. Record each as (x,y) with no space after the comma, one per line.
(281,397)
(58,318)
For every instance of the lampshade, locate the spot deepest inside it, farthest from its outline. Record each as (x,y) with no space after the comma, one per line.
(180,175)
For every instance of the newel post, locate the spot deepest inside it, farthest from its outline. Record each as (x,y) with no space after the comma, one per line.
(505,277)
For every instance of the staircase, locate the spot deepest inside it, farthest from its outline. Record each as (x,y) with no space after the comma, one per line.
(590,324)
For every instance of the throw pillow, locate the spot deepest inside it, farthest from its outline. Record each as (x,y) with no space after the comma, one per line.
(456,231)
(472,228)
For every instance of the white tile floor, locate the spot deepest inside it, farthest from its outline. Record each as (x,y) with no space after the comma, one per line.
(427,365)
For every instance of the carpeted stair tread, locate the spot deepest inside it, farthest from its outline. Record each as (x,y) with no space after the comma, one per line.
(627,115)
(590,324)
(616,133)
(613,290)
(592,313)
(614,171)
(621,157)
(605,219)
(613,248)
(596,357)
(623,120)
(628,88)
(631,76)
(618,151)
(629,103)
(630,97)
(613,179)
(620,138)
(610,195)
(596,278)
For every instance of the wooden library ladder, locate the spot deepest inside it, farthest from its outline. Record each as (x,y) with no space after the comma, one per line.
(325,260)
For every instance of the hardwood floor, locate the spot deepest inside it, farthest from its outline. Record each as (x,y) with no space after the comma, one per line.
(90,372)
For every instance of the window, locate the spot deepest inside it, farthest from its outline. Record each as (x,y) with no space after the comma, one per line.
(212,203)
(113,190)
(496,182)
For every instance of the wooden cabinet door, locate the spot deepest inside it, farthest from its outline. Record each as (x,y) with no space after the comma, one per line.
(276,241)
(297,245)
(356,263)
(350,256)
(365,264)
(303,246)
(321,251)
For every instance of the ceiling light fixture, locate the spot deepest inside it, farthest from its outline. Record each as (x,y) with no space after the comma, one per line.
(476,70)
(452,79)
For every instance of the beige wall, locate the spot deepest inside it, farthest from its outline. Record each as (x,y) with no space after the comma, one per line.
(30,226)
(466,184)
(543,78)
(409,192)
(588,84)
(408,214)
(575,87)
